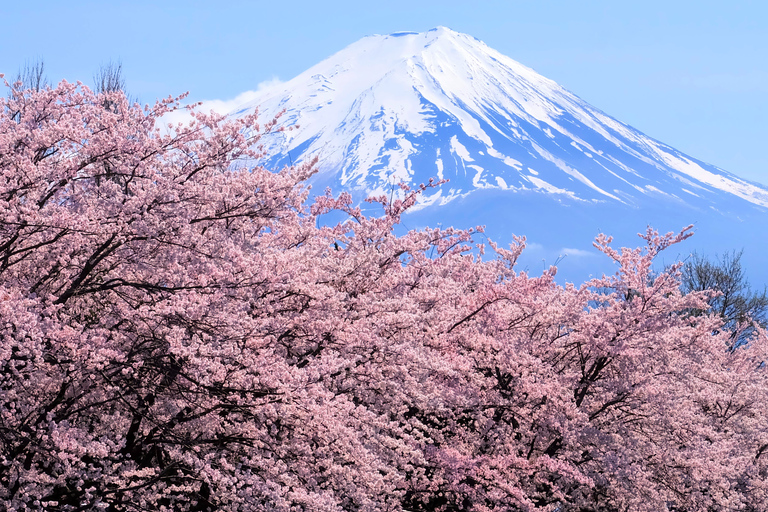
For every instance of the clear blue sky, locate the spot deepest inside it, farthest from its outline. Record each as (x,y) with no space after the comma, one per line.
(689,73)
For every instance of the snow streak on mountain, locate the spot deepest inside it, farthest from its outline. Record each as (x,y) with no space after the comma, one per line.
(410,106)
(522,155)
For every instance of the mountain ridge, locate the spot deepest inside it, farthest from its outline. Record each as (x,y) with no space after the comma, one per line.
(370,110)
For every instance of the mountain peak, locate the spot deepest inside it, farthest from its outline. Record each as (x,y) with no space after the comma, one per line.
(443,30)
(439,32)
(431,34)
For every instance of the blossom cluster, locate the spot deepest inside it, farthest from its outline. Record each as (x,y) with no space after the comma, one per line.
(179,331)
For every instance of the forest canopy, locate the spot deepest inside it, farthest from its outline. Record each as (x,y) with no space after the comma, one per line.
(179,332)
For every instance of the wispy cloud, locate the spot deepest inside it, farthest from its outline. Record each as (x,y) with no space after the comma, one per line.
(533,246)
(224,106)
(576,253)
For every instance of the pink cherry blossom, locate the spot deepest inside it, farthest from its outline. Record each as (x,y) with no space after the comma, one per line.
(181,331)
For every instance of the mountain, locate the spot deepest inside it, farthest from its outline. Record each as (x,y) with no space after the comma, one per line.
(521,153)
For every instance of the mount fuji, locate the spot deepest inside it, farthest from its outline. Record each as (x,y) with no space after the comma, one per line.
(521,154)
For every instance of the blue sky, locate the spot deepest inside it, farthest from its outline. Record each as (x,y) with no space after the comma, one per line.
(689,73)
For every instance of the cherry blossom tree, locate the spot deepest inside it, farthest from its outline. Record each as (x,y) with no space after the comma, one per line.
(182,331)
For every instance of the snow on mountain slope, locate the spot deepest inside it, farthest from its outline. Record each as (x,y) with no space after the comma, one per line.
(410,106)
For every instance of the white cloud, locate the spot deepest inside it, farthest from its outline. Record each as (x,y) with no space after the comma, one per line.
(576,253)
(223,106)
(533,246)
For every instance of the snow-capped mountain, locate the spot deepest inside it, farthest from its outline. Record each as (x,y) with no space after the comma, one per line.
(409,106)
(518,150)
